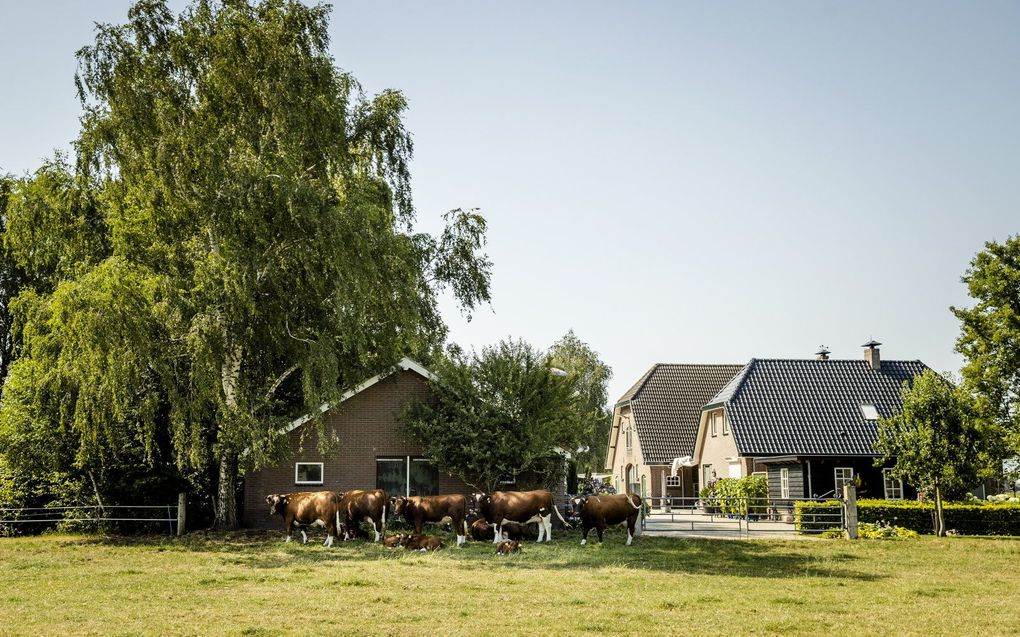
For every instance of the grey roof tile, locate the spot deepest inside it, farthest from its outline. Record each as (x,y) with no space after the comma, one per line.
(666,405)
(812,407)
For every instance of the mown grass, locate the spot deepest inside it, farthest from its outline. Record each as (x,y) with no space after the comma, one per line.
(254,584)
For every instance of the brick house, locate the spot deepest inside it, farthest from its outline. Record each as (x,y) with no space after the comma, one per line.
(371,452)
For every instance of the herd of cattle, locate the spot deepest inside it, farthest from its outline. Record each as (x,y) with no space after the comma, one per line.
(502,517)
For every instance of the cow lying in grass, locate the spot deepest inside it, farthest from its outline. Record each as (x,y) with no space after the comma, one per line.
(423,543)
(599,511)
(418,510)
(483,531)
(394,541)
(307,508)
(507,547)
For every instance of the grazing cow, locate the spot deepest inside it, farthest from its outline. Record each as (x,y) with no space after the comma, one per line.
(358,505)
(600,511)
(393,541)
(506,547)
(518,506)
(423,543)
(307,508)
(418,510)
(482,530)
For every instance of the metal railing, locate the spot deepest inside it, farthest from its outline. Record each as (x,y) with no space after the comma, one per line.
(742,516)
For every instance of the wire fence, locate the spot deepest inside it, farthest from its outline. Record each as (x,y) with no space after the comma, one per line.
(153,518)
(742,516)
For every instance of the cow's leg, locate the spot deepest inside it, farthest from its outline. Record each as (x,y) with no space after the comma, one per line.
(375,527)
(289,524)
(599,528)
(497,532)
(304,536)
(630,531)
(541,528)
(458,527)
(584,533)
(547,521)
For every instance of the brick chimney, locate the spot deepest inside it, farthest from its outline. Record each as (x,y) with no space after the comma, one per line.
(822,354)
(871,354)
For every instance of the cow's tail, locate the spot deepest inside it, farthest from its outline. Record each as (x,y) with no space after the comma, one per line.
(631,502)
(384,518)
(565,523)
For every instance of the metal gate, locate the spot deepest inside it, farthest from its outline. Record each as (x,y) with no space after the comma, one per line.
(741,518)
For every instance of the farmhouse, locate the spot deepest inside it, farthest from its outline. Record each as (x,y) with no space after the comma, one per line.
(810,425)
(371,449)
(655,425)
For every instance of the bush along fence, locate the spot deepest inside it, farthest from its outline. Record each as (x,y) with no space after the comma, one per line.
(141,518)
(962,518)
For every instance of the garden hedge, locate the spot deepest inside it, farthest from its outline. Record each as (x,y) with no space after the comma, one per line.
(963,518)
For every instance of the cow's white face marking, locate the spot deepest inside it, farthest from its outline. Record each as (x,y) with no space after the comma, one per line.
(304,537)
(630,538)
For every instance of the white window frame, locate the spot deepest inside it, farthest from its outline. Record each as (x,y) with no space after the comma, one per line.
(873,415)
(725,424)
(886,479)
(322,473)
(706,475)
(630,438)
(839,482)
(672,481)
(713,424)
(784,482)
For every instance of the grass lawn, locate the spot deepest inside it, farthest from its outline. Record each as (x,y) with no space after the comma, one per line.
(254,584)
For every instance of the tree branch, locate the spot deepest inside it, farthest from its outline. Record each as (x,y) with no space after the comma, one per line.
(279,381)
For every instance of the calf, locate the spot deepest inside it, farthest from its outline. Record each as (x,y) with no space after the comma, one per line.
(423,543)
(358,505)
(600,511)
(418,510)
(482,530)
(518,506)
(506,547)
(393,541)
(307,508)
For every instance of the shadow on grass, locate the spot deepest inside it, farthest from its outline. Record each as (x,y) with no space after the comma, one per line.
(259,549)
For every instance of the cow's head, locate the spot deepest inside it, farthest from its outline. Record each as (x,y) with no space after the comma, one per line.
(397,504)
(277,502)
(482,501)
(578,502)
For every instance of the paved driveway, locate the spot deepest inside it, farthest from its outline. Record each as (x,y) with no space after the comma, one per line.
(693,523)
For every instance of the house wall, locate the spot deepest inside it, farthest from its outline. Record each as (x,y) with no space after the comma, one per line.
(366,426)
(625,457)
(816,477)
(718,451)
(798,486)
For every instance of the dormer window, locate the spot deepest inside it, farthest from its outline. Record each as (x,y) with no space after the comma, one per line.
(869,412)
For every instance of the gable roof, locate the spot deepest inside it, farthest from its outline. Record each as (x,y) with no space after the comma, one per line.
(666,406)
(405,364)
(811,407)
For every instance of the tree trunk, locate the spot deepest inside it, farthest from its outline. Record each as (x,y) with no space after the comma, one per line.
(226,501)
(940,522)
(226,508)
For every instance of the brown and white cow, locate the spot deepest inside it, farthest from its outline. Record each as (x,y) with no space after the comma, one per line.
(507,547)
(417,510)
(482,530)
(307,508)
(394,541)
(423,543)
(518,506)
(599,511)
(358,505)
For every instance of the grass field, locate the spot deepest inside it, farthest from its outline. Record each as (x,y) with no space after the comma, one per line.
(254,584)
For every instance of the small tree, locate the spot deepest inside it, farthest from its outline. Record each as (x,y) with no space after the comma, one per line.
(591,378)
(935,440)
(499,413)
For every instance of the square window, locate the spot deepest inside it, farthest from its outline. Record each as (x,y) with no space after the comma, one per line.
(869,412)
(893,487)
(844,476)
(308,473)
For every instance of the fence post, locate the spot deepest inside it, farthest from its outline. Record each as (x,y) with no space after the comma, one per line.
(182,511)
(850,508)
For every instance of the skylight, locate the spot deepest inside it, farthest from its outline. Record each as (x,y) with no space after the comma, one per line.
(869,411)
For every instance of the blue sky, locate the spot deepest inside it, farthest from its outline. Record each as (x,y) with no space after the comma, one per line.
(677,182)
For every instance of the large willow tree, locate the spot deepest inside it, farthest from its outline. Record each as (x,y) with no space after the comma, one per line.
(261,252)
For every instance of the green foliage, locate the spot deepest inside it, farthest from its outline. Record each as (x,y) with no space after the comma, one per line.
(963,518)
(591,378)
(990,334)
(235,246)
(874,531)
(935,441)
(740,496)
(498,413)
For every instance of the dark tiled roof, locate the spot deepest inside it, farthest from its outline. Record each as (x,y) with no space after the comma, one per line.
(666,406)
(811,407)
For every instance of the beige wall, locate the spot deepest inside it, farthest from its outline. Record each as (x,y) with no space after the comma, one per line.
(623,420)
(719,451)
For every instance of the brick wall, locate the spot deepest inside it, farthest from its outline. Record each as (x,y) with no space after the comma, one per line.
(366,427)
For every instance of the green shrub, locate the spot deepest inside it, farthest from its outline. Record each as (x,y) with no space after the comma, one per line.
(739,496)
(963,518)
